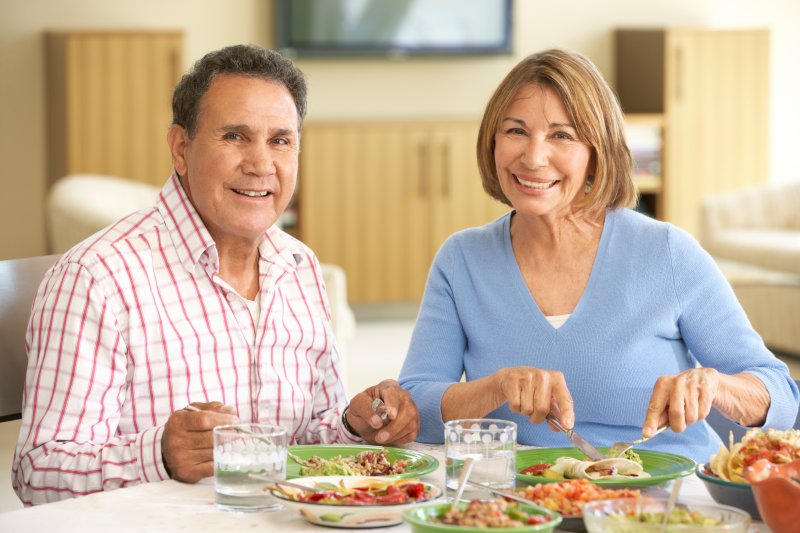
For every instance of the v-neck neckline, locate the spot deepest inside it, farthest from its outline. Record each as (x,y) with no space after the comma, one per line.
(521,288)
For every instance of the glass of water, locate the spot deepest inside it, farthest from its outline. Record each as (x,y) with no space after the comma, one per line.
(242,453)
(492,446)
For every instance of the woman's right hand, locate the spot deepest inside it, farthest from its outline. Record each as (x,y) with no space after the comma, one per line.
(534,392)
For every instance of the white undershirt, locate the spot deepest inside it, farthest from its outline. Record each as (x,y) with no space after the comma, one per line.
(557,320)
(255,308)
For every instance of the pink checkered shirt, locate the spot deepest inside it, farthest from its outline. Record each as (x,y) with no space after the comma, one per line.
(134,323)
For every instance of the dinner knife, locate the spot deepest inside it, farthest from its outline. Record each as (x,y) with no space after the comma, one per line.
(577,441)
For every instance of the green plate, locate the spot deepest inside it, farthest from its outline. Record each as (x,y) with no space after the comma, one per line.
(661,466)
(419,464)
(420,518)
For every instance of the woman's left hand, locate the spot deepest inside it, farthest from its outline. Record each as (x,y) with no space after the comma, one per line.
(681,400)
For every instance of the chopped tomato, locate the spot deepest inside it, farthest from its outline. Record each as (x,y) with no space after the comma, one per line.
(535,470)
(415,491)
(538,519)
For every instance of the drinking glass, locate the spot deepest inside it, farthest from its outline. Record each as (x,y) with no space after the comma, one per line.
(244,449)
(491,444)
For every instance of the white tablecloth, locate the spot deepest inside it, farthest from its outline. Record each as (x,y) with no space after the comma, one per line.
(170,506)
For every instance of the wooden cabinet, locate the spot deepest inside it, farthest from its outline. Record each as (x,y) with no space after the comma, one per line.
(712,89)
(379,198)
(109,98)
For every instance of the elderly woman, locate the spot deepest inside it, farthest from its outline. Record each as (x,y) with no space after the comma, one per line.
(576,304)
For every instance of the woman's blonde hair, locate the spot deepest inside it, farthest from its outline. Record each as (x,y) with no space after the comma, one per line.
(594,110)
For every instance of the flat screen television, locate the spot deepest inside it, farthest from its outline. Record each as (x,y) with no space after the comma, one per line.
(392,28)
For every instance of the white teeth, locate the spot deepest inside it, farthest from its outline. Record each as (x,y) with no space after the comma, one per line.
(252,194)
(535,184)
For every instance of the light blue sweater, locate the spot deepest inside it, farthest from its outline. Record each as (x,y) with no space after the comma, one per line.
(655,304)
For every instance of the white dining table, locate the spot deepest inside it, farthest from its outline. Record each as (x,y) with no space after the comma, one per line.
(173,507)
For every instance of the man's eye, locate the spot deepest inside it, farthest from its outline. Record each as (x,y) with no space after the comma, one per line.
(232,136)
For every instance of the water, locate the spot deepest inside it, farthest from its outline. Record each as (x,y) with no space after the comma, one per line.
(494,468)
(233,486)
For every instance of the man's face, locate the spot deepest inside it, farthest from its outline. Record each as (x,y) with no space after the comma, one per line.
(240,169)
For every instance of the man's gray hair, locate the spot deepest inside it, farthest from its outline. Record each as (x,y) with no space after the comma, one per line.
(243,60)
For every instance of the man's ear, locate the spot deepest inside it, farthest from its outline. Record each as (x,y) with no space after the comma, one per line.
(177,139)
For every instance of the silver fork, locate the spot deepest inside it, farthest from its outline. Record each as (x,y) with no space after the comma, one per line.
(618,448)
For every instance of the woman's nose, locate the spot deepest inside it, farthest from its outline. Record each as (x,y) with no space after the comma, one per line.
(536,153)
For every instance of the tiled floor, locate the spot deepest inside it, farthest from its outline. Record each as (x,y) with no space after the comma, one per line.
(379,347)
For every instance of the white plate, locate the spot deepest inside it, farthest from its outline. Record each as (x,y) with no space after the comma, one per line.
(352,516)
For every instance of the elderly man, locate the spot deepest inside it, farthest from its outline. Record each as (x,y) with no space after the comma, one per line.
(199,300)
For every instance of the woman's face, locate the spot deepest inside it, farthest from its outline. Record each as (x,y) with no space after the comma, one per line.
(541,163)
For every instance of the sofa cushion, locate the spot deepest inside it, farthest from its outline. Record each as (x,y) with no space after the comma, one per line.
(777,249)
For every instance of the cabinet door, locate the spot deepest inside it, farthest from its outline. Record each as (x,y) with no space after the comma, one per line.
(716,105)
(457,196)
(363,202)
(109,102)
(380,198)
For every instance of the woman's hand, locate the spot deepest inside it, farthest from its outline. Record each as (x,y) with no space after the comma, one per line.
(681,400)
(534,392)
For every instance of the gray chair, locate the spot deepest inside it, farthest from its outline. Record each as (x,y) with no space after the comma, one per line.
(723,426)
(19,280)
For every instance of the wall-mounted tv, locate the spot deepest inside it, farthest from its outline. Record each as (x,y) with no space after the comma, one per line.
(392,28)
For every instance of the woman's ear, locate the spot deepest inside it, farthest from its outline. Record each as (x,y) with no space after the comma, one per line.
(177,139)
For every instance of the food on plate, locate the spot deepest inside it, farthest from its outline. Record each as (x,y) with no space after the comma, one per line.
(537,470)
(374,492)
(568,497)
(677,516)
(615,468)
(778,447)
(632,456)
(366,463)
(490,513)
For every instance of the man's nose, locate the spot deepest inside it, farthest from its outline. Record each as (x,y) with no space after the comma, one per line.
(258,159)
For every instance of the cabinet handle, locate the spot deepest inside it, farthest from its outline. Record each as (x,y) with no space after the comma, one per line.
(424,169)
(445,169)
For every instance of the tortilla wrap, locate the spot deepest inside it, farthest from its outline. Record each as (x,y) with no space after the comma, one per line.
(616,468)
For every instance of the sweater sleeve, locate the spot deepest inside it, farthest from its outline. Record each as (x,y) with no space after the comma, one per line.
(716,329)
(435,357)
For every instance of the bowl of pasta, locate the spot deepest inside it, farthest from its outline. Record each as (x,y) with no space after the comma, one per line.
(724,475)
(354,501)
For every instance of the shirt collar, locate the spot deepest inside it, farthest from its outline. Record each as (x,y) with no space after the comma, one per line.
(194,244)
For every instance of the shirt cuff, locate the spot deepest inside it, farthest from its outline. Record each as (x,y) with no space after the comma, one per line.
(148,455)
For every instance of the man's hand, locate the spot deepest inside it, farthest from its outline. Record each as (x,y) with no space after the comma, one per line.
(187,445)
(402,417)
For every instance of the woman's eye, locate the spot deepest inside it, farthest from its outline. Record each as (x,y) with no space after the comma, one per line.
(562,135)
(515,131)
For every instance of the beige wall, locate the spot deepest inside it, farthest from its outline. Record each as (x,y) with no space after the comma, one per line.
(357,88)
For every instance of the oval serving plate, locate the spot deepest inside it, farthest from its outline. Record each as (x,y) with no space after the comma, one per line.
(419,464)
(661,466)
(352,516)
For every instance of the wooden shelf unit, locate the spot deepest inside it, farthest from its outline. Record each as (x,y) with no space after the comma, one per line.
(109,102)
(711,90)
